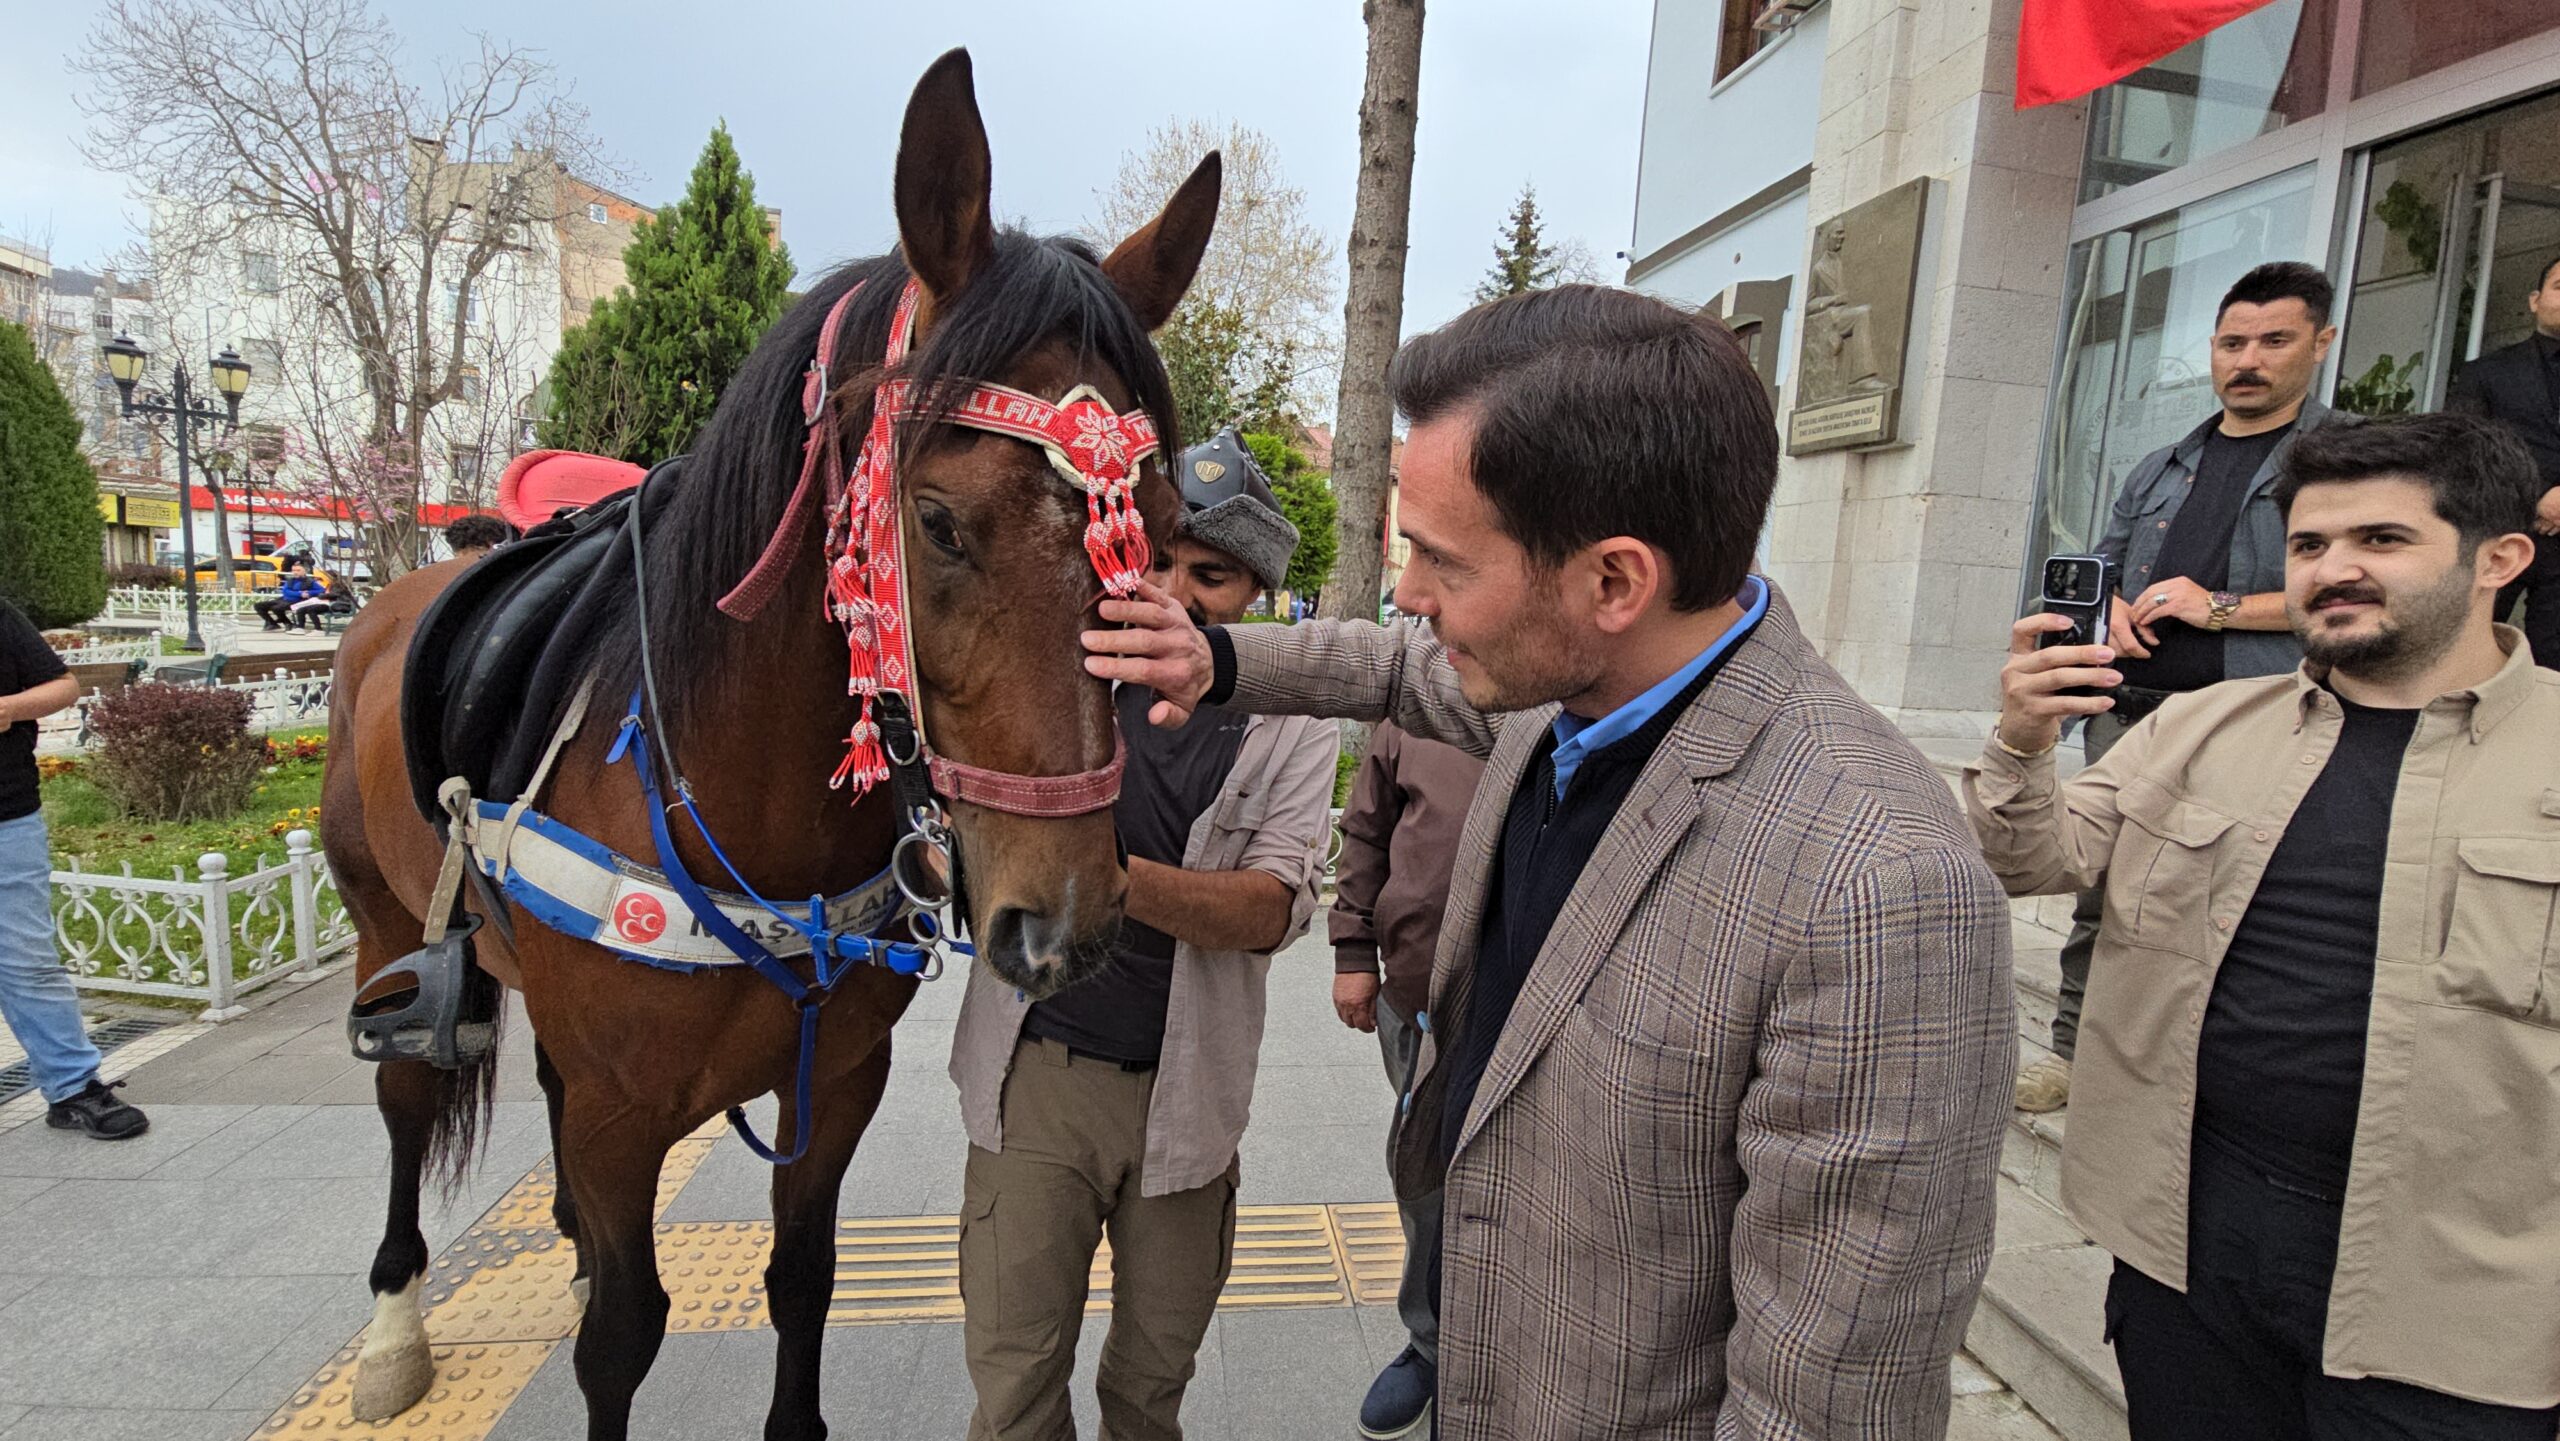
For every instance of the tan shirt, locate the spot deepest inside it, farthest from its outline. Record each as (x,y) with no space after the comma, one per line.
(2448,1270)
(1270,816)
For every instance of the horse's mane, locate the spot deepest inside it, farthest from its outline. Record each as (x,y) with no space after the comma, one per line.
(729,494)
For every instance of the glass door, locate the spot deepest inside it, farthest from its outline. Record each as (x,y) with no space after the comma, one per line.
(2454,226)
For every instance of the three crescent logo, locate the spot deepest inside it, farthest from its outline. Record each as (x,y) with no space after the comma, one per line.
(640,917)
(1208,471)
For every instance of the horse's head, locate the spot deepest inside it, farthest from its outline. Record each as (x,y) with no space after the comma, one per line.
(998,577)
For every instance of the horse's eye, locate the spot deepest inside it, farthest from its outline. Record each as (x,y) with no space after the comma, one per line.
(941,529)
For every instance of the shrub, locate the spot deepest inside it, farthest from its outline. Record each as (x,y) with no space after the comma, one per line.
(51,563)
(149,577)
(176,752)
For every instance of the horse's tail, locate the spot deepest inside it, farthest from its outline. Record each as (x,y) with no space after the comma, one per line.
(467,1097)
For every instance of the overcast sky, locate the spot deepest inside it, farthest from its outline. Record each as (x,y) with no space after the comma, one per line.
(1512,91)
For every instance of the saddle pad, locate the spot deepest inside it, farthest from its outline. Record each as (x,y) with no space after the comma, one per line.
(540,484)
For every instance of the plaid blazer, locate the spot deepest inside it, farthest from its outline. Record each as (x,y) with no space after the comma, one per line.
(1730,1170)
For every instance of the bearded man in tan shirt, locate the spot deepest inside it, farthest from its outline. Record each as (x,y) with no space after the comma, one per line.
(2315,1116)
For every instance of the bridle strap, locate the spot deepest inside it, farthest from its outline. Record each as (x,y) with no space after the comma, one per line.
(747,599)
(1038,797)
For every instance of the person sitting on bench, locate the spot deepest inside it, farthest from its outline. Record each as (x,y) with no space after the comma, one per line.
(297,601)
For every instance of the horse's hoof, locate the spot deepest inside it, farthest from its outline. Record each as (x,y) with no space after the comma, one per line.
(390,1382)
(579,1289)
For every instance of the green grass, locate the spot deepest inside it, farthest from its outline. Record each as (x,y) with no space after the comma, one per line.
(85,825)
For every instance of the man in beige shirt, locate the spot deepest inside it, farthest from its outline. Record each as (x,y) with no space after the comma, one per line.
(1117,1104)
(2316,1116)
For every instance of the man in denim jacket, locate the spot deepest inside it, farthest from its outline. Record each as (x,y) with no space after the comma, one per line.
(2198,548)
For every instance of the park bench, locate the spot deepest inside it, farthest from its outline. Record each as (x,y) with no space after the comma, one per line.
(207,671)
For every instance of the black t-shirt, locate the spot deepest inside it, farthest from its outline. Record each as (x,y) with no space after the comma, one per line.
(2281,1063)
(25,663)
(2198,547)
(1173,778)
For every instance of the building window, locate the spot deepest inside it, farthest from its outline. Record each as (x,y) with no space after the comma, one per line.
(265,357)
(1737,39)
(596,212)
(469,385)
(2137,326)
(2255,74)
(459,300)
(258,273)
(465,461)
(2404,39)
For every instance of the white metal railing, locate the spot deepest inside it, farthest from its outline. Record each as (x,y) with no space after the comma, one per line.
(214,938)
(103,652)
(168,604)
(278,701)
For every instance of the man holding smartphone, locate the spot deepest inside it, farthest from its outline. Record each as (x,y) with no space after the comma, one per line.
(2321,1107)
(2198,546)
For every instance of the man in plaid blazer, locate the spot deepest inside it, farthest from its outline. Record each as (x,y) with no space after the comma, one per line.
(1720,1017)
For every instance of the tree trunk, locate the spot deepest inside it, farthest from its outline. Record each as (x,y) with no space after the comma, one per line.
(221,535)
(1373,306)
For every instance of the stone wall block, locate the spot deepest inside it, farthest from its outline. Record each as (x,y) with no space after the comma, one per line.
(1974,530)
(2001,335)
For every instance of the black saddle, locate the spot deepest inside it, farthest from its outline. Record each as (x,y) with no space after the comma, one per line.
(496,656)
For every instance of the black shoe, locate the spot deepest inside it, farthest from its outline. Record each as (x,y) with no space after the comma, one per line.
(1399,1401)
(97,1111)
(271,625)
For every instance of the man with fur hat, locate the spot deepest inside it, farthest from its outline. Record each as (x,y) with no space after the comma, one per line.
(1116,1105)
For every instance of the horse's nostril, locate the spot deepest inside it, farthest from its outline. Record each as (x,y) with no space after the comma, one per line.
(1035,938)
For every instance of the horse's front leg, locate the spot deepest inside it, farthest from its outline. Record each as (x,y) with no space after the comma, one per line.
(799,1280)
(610,1152)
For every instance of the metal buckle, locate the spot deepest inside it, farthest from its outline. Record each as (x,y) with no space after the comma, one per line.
(921,867)
(891,735)
(816,405)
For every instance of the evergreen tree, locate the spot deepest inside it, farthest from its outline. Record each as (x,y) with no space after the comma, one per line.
(1523,260)
(706,278)
(1306,497)
(52,556)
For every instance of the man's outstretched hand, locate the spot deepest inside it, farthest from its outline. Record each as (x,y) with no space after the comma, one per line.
(1157,647)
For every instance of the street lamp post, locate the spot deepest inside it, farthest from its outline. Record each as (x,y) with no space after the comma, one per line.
(125,362)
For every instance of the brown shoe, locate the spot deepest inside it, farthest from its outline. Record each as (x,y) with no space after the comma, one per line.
(2044,1086)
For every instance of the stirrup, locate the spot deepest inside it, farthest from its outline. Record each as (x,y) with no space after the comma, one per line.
(430,1028)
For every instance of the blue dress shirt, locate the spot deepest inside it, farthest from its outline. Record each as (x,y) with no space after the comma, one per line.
(1577,737)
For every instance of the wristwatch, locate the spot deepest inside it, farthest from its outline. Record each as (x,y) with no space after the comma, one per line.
(2225,605)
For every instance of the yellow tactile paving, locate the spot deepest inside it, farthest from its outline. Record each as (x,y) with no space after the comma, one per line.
(498,1299)
(474,1385)
(896,1268)
(527,1204)
(1372,1240)
(714,1274)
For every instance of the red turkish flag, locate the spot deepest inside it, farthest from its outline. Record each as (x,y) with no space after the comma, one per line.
(2067,48)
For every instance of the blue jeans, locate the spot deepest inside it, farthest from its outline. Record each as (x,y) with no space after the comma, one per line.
(36,995)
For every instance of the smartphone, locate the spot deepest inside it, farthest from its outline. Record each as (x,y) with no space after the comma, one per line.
(2082,587)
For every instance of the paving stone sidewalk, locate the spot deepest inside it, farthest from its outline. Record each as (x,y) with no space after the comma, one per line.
(216,1266)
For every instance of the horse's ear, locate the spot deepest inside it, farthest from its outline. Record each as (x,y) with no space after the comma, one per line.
(944,222)
(1152,268)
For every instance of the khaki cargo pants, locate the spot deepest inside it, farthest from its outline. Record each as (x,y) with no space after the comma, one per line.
(1075,1137)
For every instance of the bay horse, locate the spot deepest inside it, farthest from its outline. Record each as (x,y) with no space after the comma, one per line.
(755,716)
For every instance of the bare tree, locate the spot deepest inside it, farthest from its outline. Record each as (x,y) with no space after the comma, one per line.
(1268,276)
(1373,311)
(383,211)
